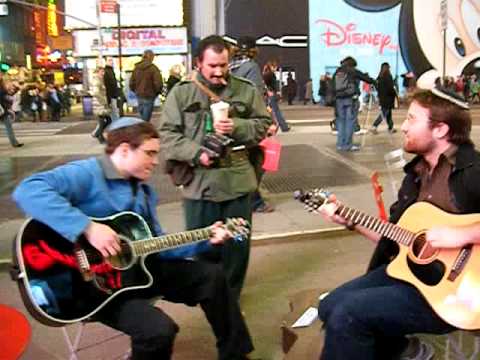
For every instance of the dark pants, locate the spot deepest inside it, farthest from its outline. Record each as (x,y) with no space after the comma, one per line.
(233,255)
(387,115)
(368,318)
(153,332)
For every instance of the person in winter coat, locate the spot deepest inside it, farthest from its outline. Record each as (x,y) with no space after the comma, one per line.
(147,83)
(111,88)
(386,96)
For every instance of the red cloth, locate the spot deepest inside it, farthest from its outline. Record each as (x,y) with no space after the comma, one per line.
(41,257)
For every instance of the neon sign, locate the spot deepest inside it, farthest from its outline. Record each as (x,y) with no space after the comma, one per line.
(52,18)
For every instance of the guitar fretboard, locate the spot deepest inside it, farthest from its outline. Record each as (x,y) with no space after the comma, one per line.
(392,231)
(146,247)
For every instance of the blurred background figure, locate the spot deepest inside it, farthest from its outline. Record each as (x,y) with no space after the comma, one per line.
(111,88)
(243,65)
(7,116)
(147,83)
(100,105)
(174,77)
(291,88)
(271,84)
(308,93)
(386,95)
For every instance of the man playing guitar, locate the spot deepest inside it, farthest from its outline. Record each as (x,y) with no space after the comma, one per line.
(66,198)
(370,316)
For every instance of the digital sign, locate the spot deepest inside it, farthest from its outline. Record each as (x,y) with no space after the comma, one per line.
(134,41)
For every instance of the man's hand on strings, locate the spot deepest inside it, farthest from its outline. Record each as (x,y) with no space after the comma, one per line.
(219,233)
(103,238)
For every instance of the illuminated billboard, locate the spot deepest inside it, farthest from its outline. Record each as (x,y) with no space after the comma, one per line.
(133,13)
(341,30)
(134,41)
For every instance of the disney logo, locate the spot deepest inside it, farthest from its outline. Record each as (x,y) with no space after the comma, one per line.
(337,35)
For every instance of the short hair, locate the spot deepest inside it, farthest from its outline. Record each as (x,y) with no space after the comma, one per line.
(442,110)
(148,54)
(214,42)
(133,135)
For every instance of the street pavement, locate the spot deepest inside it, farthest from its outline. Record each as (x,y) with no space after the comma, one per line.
(293,250)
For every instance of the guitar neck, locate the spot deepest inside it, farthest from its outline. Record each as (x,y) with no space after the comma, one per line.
(384,228)
(156,244)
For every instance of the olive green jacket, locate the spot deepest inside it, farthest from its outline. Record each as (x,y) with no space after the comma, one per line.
(182,128)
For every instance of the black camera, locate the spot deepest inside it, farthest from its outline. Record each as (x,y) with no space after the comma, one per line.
(217,146)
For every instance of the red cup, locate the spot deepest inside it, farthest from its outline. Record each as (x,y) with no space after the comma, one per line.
(271,149)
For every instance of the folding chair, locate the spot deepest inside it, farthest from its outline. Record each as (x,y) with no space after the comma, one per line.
(73,342)
(394,160)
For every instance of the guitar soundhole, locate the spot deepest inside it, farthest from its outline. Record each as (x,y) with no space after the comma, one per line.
(421,249)
(124,259)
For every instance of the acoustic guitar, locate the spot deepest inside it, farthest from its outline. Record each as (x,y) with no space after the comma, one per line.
(63,282)
(449,279)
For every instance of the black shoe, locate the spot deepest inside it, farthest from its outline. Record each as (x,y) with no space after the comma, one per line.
(18,145)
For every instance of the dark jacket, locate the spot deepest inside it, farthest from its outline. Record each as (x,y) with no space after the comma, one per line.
(146,80)
(111,85)
(172,80)
(270,80)
(386,91)
(356,77)
(463,184)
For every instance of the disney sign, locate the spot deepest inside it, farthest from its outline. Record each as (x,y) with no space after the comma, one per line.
(336,35)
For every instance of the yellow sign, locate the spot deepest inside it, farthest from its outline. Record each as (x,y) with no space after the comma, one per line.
(52,19)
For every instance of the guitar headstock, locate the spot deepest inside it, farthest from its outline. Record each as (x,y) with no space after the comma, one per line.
(312,199)
(239,227)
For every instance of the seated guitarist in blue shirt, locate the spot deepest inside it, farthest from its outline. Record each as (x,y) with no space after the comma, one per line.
(369,317)
(66,198)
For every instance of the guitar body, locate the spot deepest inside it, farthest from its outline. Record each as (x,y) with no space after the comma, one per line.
(454,296)
(58,294)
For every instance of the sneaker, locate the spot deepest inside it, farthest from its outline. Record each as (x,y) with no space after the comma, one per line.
(392,131)
(18,145)
(417,350)
(354,148)
(373,130)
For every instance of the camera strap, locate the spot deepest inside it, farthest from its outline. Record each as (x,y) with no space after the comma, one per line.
(211,95)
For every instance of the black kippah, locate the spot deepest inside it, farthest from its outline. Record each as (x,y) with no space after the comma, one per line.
(450,96)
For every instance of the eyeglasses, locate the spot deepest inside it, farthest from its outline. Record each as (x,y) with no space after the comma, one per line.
(150,153)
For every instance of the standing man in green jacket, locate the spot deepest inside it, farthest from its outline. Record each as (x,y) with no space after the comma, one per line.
(220,187)
(147,83)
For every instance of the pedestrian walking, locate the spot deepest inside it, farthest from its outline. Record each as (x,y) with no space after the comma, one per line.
(112,89)
(147,83)
(7,90)
(386,96)
(347,90)
(272,85)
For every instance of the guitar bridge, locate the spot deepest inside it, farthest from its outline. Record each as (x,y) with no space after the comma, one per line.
(460,262)
(84,265)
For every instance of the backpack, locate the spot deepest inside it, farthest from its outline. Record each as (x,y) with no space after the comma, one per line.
(344,84)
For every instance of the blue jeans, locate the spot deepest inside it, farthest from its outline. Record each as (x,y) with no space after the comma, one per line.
(368,318)
(387,115)
(345,122)
(277,113)
(145,107)
(7,121)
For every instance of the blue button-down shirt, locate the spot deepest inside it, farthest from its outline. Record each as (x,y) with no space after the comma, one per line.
(65,198)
